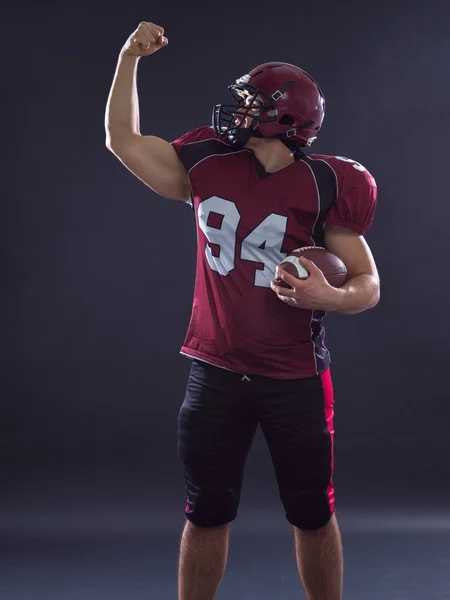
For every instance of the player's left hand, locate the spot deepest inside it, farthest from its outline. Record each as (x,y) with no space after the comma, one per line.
(314,293)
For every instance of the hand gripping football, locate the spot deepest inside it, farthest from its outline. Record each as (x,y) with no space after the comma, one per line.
(331,266)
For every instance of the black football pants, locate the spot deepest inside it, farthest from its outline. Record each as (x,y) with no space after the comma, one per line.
(217,423)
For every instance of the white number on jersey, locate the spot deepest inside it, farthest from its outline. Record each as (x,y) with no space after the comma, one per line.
(355,164)
(225,237)
(262,245)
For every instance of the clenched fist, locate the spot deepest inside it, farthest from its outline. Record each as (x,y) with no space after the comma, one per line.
(147,38)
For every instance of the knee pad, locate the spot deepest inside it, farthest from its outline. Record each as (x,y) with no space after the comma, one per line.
(212,507)
(308,510)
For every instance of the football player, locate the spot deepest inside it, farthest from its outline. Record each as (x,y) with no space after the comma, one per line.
(257,349)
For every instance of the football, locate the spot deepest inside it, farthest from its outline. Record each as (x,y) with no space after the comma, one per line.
(331,266)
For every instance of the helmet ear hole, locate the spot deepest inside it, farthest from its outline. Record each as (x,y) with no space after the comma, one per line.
(286,120)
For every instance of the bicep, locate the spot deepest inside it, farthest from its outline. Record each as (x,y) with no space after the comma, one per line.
(156,163)
(352,249)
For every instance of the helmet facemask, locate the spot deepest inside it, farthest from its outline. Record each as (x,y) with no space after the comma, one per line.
(252,103)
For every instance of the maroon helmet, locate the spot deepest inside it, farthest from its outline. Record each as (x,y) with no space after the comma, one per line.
(282,100)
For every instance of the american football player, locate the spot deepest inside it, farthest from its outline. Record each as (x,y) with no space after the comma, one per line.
(257,348)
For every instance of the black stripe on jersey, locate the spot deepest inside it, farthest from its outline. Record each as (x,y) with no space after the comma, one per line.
(327,186)
(193,153)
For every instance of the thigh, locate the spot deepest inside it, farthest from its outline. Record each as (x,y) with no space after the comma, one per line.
(297,423)
(215,428)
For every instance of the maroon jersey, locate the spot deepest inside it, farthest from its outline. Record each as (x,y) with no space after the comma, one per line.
(247,222)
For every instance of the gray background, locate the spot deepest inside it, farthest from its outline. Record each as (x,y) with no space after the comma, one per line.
(98,272)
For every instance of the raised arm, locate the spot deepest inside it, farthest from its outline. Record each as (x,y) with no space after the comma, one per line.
(151,159)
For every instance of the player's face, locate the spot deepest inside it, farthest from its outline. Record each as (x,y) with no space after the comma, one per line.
(239,121)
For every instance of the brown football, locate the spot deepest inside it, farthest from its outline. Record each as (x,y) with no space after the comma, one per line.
(331,266)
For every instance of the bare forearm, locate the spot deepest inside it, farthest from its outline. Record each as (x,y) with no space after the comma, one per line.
(122,109)
(357,295)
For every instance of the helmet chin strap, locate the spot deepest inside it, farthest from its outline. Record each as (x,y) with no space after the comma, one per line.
(294,147)
(241,135)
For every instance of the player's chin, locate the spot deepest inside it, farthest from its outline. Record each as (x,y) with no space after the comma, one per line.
(258,142)
(251,143)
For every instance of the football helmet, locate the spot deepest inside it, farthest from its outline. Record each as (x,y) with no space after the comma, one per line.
(281,101)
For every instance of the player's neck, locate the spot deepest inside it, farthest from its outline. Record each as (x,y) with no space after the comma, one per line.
(271,153)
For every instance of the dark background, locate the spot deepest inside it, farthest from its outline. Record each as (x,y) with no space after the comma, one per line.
(98,272)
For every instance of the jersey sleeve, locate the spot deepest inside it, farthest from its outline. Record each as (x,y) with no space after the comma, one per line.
(185,148)
(185,144)
(356,198)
